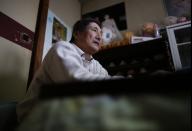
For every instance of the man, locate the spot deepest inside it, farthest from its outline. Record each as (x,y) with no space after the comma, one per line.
(67,62)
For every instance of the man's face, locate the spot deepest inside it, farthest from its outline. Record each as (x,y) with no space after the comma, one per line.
(90,39)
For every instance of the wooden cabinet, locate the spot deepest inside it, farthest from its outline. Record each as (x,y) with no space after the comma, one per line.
(136,59)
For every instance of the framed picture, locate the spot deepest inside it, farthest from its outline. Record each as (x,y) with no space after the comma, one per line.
(56,30)
(116,12)
(59,31)
(178,7)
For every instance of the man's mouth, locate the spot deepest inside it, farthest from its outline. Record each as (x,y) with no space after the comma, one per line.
(96,42)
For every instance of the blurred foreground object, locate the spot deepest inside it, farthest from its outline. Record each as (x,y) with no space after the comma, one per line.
(105,113)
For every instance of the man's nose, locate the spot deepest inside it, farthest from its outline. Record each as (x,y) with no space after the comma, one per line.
(98,37)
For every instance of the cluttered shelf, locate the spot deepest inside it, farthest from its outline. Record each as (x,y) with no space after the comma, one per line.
(136,59)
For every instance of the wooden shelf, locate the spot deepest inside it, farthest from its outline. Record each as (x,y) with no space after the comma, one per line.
(151,55)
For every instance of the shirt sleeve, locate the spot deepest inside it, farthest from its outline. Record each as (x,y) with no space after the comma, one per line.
(63,63)
(99,68)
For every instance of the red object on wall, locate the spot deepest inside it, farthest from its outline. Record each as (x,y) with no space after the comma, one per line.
(15,32)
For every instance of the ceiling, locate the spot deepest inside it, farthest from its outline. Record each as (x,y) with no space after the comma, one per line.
(83,1)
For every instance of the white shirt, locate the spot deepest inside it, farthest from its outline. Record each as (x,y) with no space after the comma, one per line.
(64,62)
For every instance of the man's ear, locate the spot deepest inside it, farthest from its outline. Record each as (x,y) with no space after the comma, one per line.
(75,35)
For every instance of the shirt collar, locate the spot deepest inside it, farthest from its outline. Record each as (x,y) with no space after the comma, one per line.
(84,55)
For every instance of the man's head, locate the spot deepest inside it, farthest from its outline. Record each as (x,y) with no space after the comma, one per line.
(87,35)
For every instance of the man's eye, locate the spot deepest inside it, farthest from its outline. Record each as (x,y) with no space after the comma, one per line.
(94,30)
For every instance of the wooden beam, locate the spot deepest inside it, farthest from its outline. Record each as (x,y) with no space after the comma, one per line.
(39,38)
